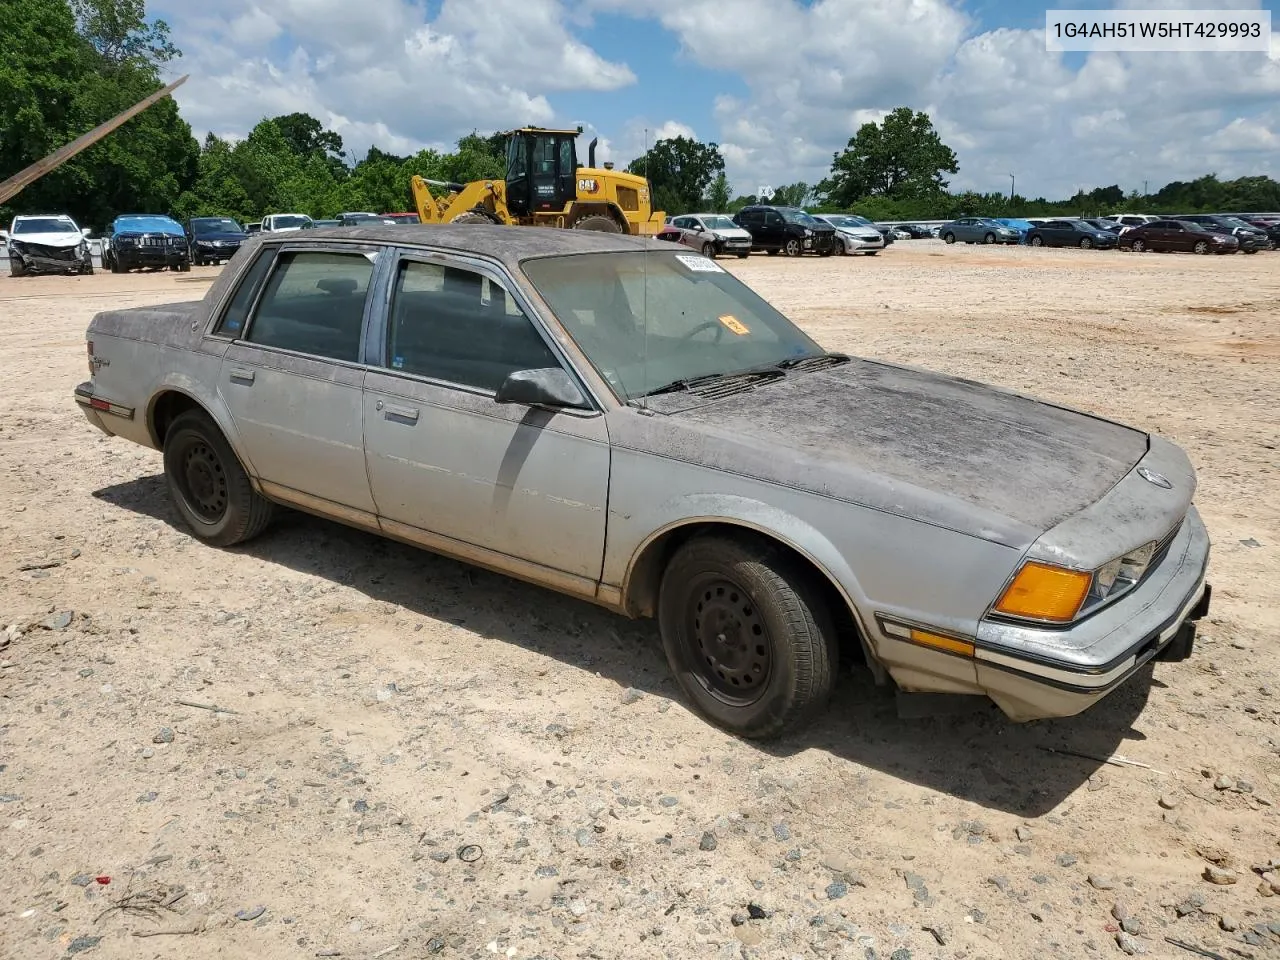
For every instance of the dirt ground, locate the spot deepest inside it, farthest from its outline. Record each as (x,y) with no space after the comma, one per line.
(420,759)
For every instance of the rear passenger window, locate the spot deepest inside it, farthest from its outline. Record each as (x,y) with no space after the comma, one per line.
(232,322)
(314,303)
(458,326)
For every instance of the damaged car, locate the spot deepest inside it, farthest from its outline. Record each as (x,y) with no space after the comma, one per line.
(151,240)
(622,420)
(48,243)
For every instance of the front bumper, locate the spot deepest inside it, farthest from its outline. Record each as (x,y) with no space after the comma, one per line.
(67,261)
(1034,673)
(152,256)
(207,251)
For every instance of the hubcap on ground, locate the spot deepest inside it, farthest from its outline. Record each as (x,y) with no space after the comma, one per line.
(205,480)
(729,648)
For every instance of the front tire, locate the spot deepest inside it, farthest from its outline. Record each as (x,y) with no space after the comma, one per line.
(1137,246)
(1037,241)
(709,251)
(598,222)
(747,635)
(1085,243)
(209,487)
(792,247)
(16,269)
(1201,247)
(989,238)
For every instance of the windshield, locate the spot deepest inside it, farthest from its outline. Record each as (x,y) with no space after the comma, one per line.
(719,223)
(800,217)
(216,225)
(153,224)
(840,220)
(290,220)
(700,319)
(1237,223)
(45,225)
(1197,227)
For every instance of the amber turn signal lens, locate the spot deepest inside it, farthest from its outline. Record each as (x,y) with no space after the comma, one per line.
(1044,592)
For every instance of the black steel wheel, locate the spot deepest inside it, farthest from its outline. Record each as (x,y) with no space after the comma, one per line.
(210,488)
(746,634)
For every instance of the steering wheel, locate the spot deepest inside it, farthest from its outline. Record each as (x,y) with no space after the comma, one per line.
(719,328)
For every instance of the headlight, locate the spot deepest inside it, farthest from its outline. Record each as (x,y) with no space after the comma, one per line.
(808,232)
(1122,572)
(1042,591)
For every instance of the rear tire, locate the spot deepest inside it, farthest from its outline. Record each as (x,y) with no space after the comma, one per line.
(743,256)
(747,635)
(209,487)
(772,253)
(598,222)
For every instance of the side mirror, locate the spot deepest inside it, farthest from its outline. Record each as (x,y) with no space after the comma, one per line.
(86,231)
(697,228)
(549,386)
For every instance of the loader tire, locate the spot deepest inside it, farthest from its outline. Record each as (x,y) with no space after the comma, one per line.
(598,222)
(471,217)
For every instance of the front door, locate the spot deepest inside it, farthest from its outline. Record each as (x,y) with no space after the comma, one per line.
(446,459)
(292,378)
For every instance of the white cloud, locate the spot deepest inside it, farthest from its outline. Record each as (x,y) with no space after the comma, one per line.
(811,74)
(378,70)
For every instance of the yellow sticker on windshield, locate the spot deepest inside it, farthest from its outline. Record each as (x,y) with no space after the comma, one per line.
(734,324)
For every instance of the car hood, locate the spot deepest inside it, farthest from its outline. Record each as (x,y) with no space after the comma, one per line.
(970,457)
(862,233)
(731,233)
(220,235)
(56,238)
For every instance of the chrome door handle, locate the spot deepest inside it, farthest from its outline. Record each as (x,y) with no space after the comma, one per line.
(398,412)
(242,376)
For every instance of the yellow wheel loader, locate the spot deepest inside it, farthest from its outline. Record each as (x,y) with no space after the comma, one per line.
(546,187)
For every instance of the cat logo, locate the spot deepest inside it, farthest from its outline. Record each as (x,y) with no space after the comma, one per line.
(588,185)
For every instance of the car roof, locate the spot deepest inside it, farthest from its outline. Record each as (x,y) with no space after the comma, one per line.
(510,244)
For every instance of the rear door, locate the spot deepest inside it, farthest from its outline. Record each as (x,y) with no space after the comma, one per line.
(1057,233)
(775,229)
(293,375)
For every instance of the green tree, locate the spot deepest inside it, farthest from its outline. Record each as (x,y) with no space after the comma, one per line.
(901,157)
(791,195)
(718,196)
(680,170)
(121,34)
(306,136)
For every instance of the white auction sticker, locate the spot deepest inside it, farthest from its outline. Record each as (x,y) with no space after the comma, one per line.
(1169,31)
(701,264)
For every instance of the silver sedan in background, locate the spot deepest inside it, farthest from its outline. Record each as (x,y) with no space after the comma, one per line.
(854,235)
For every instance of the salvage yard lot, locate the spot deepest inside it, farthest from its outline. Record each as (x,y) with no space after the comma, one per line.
(393,710)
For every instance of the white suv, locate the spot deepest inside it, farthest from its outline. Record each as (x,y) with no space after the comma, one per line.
(48,243)
(285,222)
(1129,220)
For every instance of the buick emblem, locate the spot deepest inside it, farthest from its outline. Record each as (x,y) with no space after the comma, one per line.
(1152,477)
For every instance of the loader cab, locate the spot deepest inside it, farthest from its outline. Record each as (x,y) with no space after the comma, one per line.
(542,170)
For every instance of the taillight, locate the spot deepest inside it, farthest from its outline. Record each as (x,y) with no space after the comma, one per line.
(92,369)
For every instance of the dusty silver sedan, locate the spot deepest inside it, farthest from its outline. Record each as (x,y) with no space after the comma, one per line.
(622,420)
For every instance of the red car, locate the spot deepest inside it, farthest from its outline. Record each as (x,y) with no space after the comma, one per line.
(1167,236)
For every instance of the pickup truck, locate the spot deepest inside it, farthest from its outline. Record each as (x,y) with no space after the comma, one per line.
(624,421)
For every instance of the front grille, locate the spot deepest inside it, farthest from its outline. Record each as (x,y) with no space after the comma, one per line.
(51,253)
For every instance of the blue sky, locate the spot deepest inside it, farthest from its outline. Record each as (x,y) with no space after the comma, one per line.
(779,84)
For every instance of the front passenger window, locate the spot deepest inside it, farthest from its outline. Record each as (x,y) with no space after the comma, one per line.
(458,326)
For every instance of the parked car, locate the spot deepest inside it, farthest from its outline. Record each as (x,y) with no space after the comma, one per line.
(852,236)
(47,243)
(359,219)
(320,224)
(1127,220)
(1250,237)
(979,230)
(1171,236)
(1071,233)
(627,422)
(1110,226)
(1022,226)
(402,218)
(214,239)
(284,222)
(917,231)
(786,230)
(254,227)
(1269,223)
(145,240)
(710,233)
(889,233)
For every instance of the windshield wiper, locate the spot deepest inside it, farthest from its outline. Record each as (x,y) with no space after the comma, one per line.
(732,379)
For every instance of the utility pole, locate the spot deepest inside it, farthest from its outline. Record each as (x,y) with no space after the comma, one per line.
(1144,189)
(1012,182)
